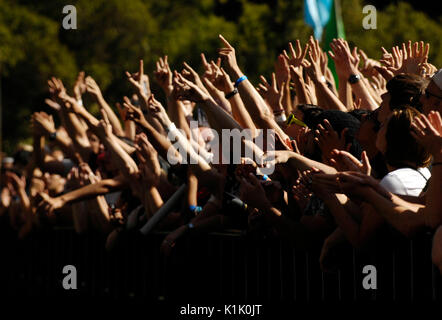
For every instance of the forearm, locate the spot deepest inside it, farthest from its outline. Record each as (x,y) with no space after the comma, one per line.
(65,144)
(254,103)
(330,100)
(192,189)
(158,140)
(121,158)
(345,93)
(361,92)
(154,199)
(406,219)
(129,129)
(301,91)
(218,118)
(240,113)
(176,114)
(38,146)
(287,99)
(302,163)
(76,132)
(90,191)
(126,147)
(113,119)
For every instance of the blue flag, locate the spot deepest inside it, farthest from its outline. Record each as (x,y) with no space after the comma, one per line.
(317,14)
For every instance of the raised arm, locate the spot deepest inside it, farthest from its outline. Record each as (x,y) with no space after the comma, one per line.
(94,90)
(253,101)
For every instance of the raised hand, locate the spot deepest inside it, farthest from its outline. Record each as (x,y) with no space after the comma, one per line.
(132,112)
(271,93)
(104,128)
(148,157)
(214,74)
(140,81)
(414,55)
(43,123)
(79,86)
(345,161)
(157,110)
(227,54)
(56,88)
(314,69)
(282,71)
(428,132)
(296,58)
(328,139)
(92,87)
(368,65)
(163,75)
(346,62)
(187,90)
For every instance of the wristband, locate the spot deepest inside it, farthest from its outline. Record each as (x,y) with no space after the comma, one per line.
(80,102)
(240,79)
(171,128)
(190,225)
(195,209)
(53,136)
(231,94)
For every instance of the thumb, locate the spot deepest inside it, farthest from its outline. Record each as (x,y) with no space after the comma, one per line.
(366,163)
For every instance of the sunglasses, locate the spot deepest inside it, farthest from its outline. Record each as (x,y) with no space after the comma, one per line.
(293,120)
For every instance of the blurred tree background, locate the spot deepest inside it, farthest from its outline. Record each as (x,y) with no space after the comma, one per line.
(112,35)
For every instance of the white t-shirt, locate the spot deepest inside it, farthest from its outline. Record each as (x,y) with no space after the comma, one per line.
(406,181)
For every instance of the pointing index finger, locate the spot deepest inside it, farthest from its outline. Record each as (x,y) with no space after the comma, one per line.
(226,43)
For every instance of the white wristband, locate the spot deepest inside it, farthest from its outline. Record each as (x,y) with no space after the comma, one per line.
(80,102)
(171,128)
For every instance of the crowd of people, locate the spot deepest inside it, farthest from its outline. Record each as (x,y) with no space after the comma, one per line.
(352,152)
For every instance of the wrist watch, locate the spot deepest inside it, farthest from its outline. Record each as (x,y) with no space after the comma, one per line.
(354,78)
(53,136)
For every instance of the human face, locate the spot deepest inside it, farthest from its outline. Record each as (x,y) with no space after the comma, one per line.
(367,134)
(381,139)
(431,99)
(384,109)
(94,141)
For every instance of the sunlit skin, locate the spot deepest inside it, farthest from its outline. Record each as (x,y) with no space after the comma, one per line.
(384,108)
(432,102)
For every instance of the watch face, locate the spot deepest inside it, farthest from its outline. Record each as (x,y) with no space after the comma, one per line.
(354,78)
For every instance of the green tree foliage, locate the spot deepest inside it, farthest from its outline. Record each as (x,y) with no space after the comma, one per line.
(113,35)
